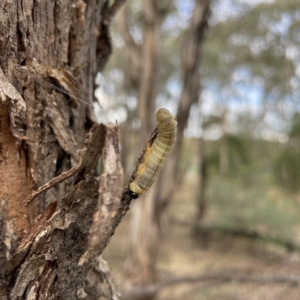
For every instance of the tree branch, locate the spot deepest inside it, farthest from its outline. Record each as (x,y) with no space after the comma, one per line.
(133,50)
(191,63)
(125,30)
(110,191)
(116,6)
(189,95)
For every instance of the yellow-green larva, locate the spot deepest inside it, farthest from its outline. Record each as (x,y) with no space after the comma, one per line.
(156,151)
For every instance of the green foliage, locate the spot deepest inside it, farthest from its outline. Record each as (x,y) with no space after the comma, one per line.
(287,167)
(213,161)
(252,207)
(238,151)
(254,41)
(247,198)
(251,55)
(253,58)
(287,170)
(295,130)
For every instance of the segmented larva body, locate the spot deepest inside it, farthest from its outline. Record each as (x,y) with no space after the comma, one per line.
(156,151)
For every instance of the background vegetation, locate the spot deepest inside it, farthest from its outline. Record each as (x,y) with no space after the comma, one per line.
(245,132)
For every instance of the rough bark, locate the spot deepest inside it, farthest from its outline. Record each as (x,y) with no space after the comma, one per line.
(50,52)
(4,248)
(47,263)
(26,27)
(110,191)
(14,179)
(58,259)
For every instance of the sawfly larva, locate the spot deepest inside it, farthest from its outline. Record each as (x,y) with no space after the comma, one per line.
(153,158)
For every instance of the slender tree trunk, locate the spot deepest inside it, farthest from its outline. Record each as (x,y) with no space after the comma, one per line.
(223,150)
(148,90)
(148,213)
(139,268)
(189,95)
(201,200)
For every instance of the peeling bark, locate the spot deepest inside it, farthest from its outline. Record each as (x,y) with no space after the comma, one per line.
(110,191)
(14,180)
(54,259)
(16,106)
(4,251)
(50,256)
(50,52)
(89,156)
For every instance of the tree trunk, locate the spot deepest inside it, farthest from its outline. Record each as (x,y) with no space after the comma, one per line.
(201,200)
(139,268)
(190,94)
(42,43)
(223,150)
(148,213)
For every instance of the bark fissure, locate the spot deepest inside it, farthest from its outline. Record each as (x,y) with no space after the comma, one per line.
(49,128)
(57,242)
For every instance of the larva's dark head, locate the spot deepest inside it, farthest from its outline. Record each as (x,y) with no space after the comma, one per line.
(133,195)
(163,116)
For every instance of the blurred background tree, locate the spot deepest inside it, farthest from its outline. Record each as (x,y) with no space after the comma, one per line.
(286,168)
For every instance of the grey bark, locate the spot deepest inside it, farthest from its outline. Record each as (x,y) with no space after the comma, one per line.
(61,44)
